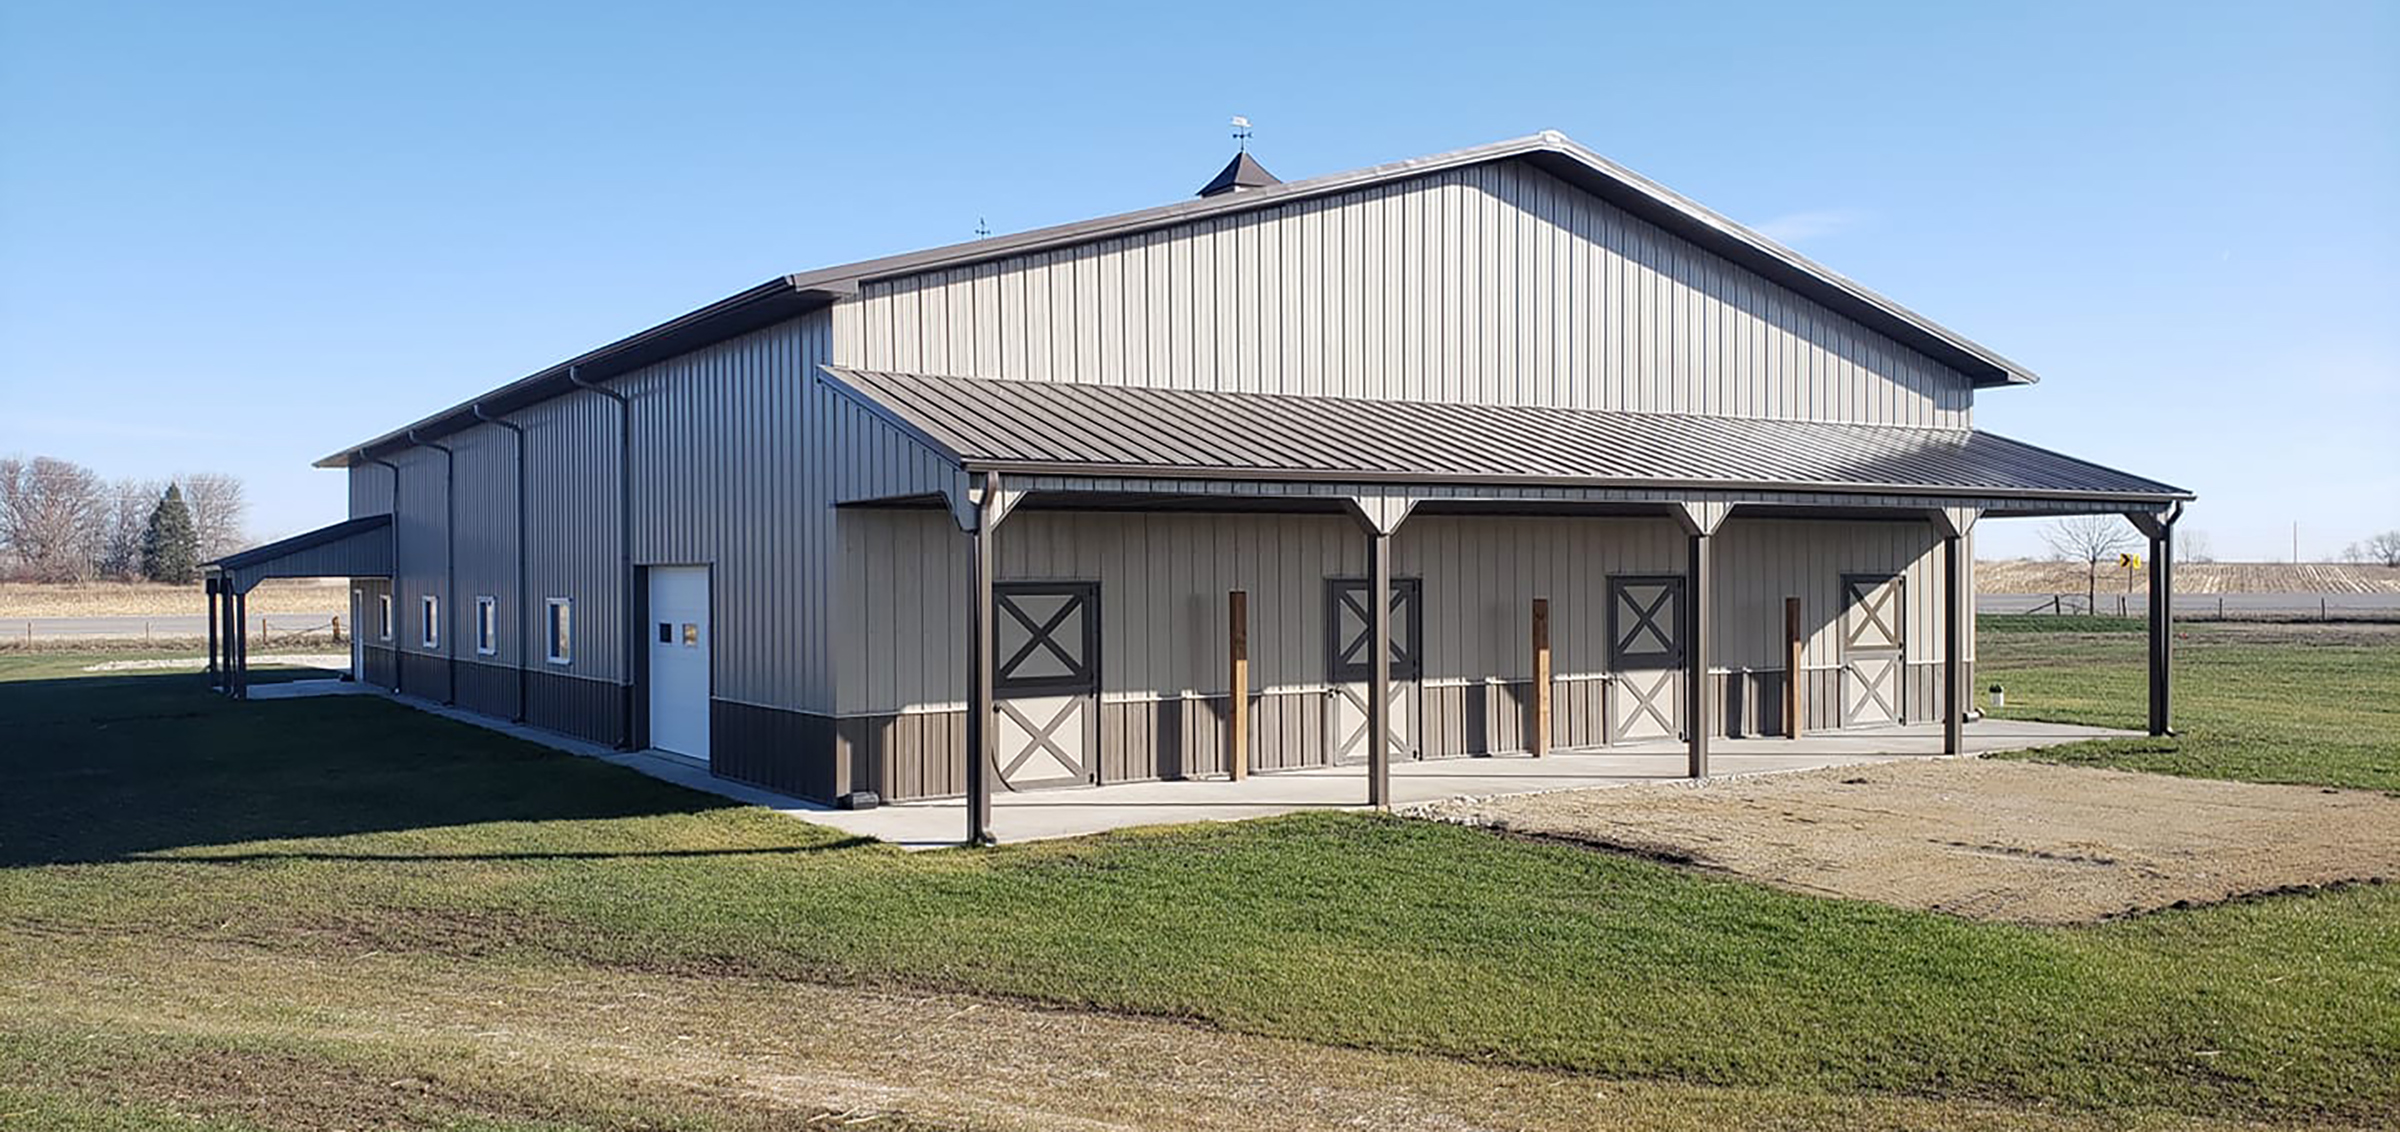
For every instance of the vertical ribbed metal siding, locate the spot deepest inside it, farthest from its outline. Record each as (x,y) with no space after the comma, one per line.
(1164,576)
(487,546)
(1496,283)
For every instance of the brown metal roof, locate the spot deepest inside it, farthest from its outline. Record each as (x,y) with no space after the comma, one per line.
(1114,430)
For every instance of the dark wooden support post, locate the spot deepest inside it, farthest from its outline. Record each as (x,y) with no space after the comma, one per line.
(2162,629)
(1698,695)
(1539,741)
(241,645)
(1237,683)
(1793,689)
(1379,693)
(211,585)
(2160,527)
(990,507)
(1954,644)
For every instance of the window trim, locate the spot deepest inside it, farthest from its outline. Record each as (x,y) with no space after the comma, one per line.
(383,615)
(550,610)
(429,606)
(487,625)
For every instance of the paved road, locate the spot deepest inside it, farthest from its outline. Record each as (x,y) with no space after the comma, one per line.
(132,628)
(2206,605)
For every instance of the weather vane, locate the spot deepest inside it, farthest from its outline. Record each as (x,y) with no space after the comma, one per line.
(1241,132)
(983,228)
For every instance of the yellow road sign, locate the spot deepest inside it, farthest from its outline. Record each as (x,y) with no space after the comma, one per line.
(2130,561)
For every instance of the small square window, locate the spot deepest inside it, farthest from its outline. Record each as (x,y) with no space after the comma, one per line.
(487,625)
(383,616)
(431,607)
(691,635)
(666,633)
(561,613)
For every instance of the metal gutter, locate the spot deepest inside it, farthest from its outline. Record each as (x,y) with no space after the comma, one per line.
(1301,475)
(449,602)
(391,585)
(627,631)
(524,609)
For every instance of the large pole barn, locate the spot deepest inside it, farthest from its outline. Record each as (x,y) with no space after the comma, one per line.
(982,518)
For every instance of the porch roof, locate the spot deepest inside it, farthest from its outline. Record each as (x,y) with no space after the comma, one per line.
(1050,428)
(352,548)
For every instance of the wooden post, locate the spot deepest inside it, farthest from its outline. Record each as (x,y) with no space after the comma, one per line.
(1793,696)
(1539,743)
(1237,712)
(1955,696)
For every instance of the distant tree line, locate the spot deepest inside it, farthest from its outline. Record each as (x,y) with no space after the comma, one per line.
(2384,548)
(61,522)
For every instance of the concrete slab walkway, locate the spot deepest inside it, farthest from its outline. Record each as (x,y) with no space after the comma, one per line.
(1041,814)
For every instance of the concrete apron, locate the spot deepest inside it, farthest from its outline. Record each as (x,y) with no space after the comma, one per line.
(1075,811)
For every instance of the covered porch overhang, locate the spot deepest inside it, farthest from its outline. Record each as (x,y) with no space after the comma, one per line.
(1015,446)
(353,548)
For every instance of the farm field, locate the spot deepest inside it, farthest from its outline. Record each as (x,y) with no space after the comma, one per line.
(341,912)
(154,599)
(2037,576)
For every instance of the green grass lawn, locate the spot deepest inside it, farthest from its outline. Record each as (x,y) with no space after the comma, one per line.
(2257,702)
(142,808)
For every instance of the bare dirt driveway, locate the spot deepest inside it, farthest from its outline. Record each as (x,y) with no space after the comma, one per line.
(1989,840)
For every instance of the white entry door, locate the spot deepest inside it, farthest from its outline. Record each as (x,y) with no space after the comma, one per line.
(679,645)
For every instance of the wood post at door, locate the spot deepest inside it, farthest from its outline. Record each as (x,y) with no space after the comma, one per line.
(1539,742)
(1237,712)
(1954,674)
(1792,676)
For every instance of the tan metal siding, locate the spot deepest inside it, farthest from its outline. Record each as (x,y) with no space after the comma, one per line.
(1495,284)
(1164,576)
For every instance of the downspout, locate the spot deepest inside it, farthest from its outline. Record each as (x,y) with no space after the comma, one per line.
(524,610)
(625,626)
(391,585)
(449,602)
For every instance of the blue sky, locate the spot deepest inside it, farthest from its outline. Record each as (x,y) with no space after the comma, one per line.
(238,236)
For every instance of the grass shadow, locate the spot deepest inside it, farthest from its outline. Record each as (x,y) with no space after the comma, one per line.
(106,768)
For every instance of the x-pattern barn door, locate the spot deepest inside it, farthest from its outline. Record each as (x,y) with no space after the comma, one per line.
(1874,644)
(1350,648)
(1046,683)
(1645,657)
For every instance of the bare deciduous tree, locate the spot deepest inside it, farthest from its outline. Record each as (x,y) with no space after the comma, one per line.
(2091,540)
(2192,546)
(127,511)
(2385,548)
(2354,554)
(52,516)
(217,505)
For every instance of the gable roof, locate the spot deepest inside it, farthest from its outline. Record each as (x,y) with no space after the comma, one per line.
(1549,151)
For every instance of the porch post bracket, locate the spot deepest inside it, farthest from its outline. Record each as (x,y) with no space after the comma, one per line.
(1381,512)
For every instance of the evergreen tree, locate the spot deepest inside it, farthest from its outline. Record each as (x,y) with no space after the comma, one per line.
(170,547)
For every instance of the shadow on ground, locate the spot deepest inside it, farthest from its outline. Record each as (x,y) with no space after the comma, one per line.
(105,768)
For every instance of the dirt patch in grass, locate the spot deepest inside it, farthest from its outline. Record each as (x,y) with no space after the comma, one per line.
(380,1039)
(1988,840)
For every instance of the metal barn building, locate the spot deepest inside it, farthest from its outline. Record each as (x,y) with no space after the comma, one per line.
(1025,512)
